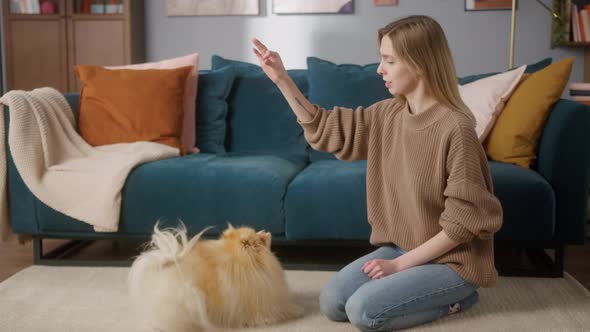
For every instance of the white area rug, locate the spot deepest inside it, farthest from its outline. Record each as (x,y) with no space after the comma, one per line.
(48,299)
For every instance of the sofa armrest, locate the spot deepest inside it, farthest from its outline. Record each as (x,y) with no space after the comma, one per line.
(21,202)
(73,99)
(564,161)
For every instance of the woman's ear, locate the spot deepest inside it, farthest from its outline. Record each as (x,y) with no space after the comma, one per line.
(417,71)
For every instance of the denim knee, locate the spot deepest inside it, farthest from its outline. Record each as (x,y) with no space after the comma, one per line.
(332,304)
(359,315)
(356,311)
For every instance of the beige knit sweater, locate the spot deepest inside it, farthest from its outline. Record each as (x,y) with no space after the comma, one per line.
(426,172)
(60,168)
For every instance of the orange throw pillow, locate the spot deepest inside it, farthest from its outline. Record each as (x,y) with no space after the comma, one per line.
(127,105)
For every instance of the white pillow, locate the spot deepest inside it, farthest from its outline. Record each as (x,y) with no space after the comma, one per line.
(487,97)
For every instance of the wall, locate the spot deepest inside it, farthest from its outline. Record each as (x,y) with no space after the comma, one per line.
(2,69)
(480,41)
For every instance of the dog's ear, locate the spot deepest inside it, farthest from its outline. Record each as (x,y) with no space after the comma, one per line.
(229,230)
(265,237)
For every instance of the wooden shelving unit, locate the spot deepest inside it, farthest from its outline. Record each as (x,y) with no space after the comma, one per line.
(41,50)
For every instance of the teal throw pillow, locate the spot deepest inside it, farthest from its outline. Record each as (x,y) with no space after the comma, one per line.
(214,87)
(260,121)
(529,69)
(345,85)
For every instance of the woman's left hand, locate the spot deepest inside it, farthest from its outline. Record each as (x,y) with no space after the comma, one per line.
(379,268)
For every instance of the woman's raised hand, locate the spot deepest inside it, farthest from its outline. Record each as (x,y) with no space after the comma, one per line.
(270,62)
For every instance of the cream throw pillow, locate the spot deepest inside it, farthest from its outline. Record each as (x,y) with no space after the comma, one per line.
(487,97)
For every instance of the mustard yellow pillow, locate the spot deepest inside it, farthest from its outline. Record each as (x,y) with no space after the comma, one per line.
(126,105)
(516,133)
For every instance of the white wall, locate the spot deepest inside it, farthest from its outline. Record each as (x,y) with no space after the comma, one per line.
(480,41)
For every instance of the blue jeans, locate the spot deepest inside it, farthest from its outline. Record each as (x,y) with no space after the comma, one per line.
(408,298)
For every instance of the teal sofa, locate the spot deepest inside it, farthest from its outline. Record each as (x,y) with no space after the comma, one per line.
(256,169)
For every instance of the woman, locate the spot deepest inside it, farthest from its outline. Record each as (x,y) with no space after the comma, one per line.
(429,191)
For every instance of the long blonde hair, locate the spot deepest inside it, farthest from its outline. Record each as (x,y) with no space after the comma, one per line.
(420,42)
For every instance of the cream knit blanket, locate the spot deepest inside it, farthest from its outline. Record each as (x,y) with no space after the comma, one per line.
(59,167)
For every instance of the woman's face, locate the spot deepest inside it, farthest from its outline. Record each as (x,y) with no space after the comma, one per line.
(399,78)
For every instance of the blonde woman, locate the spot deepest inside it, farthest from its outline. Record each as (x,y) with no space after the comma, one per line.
(429,191)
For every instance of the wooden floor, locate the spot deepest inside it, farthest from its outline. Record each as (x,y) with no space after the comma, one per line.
(14,257)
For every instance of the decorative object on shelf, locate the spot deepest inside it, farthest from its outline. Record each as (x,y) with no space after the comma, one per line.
(48,7)
(14,6)
(513,27)
(97,7)
(212,7)
(312,7)
(113,7)
(474,5)
(385,2)
(560,28)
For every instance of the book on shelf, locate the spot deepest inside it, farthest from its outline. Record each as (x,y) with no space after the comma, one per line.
(582,17)
(576,20)
(14,6)
(566,12)
(581,100)
(25,7)
(98,7)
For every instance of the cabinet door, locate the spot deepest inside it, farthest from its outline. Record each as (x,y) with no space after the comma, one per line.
(36,55)
(99,42)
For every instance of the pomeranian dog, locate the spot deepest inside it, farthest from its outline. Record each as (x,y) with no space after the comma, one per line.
(235,281)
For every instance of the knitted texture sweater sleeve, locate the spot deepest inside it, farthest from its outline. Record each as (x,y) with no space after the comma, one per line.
(471,209)
(341,131)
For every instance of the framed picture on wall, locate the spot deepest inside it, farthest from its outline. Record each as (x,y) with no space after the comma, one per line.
(212,7)
(474,5)
(385,2)
(312,6)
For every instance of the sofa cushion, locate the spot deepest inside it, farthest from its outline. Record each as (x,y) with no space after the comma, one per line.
(260,120)
(212,107)
(327,200)
(345,85)
(528,203)
(534,67)
(199,189)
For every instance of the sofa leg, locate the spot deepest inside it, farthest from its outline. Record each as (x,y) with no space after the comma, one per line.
(532,262)
(57,256)
(60,252)
(559,261)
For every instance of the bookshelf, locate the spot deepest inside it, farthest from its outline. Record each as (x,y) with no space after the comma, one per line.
(563,34)
(42,47)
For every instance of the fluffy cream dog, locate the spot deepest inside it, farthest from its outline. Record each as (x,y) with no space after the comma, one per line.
(191,285)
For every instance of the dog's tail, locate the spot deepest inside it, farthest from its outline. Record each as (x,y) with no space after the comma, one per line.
(160,289)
